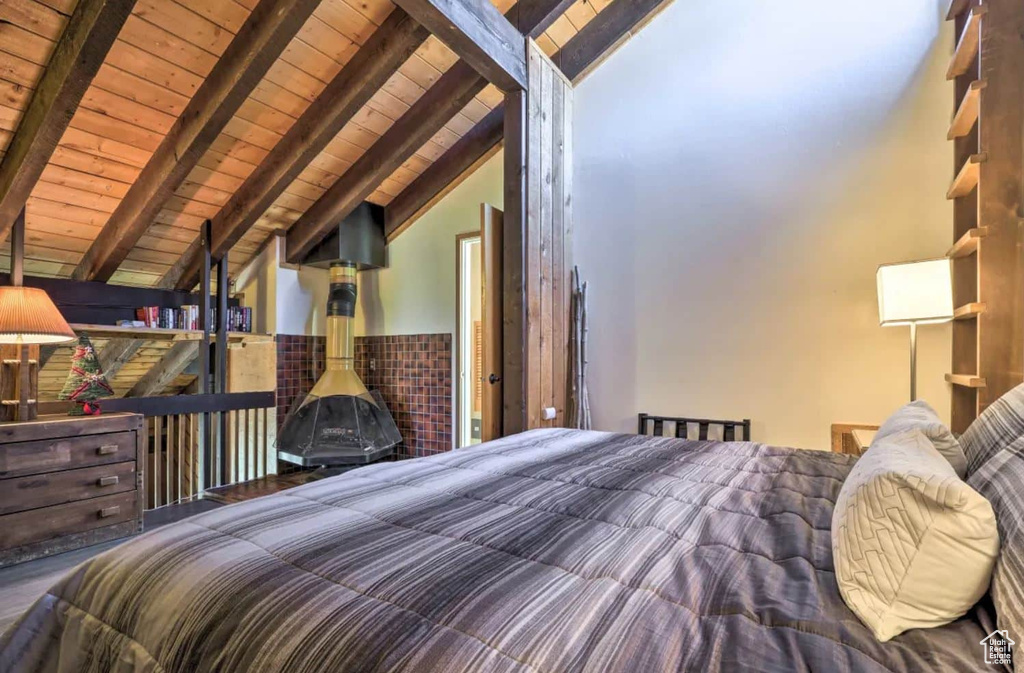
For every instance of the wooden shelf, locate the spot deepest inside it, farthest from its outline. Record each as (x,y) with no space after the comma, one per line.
(968,243)
(967,113)
(967,179)
(965,380)
(956,8)
(969,311)
(160,334)
(967,47)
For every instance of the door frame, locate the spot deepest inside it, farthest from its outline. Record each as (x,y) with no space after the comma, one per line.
(459,238)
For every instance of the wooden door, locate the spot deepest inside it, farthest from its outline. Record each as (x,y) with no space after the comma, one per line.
(490,261)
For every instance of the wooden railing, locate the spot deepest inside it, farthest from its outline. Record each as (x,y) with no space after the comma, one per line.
(180,462)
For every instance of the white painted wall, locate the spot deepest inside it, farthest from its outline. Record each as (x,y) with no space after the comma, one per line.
(285,299)
(741,171)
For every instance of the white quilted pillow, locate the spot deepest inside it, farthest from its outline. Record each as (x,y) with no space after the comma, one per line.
(920,415)
(913,545)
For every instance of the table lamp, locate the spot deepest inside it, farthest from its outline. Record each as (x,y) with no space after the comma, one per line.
(27,317)
(915,293)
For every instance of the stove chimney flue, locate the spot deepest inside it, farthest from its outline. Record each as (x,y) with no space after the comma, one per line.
(339,422)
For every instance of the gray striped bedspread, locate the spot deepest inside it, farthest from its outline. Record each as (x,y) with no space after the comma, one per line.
(553,550)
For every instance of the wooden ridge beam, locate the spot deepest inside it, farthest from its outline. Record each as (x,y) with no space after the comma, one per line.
(76,59)
(424,119)
(375,62)
(612,26)
(479,34)
(592,43)
(160,375)
(257,45)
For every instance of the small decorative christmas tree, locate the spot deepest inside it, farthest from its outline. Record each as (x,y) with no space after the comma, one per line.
(86,383)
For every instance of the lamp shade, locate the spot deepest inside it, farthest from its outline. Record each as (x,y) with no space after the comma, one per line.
(28,316)
(915,292)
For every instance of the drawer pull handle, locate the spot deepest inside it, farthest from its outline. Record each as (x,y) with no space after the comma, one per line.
(108,481)
(110,511)
(107,449)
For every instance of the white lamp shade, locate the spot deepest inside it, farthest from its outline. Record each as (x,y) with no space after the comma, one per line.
(915,292)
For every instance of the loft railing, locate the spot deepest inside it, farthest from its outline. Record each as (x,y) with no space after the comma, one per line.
(180,463)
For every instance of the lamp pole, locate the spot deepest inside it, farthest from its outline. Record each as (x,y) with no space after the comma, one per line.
(913,361)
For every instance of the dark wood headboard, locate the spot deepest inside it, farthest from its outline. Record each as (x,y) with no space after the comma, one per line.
(682,426)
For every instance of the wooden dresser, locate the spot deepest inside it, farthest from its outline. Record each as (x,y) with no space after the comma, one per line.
(69,482)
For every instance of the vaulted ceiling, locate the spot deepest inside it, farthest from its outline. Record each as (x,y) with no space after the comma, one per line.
(151,84)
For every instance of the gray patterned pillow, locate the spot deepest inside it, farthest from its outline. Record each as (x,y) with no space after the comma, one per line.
(1000,479)
(996,428)
(920,416)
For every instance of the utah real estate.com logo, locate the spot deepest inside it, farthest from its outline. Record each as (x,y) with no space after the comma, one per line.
(998,648)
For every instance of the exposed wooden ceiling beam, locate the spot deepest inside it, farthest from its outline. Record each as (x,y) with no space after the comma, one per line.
(433,110)
(479,34)
(378,59)
(79,53)
(596,40)
(429,114)
(612,26)
(174,362)
(533,17)
(446,173)
(257,45)
(116,354)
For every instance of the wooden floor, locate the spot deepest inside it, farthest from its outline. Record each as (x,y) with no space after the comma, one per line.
(268,485)
(22,584)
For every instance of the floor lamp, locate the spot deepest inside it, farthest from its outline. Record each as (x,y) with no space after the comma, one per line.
(915,293)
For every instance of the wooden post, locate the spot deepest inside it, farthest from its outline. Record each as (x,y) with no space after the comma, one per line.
(221,373)
(23,387)
(538,225)
(205,423)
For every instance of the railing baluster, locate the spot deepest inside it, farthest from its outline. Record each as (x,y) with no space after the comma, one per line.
(703,430)
(149,475)
(180,434)
(193,447)
(169,462)
(261,441)
(250,455)
(158,427)
(681,429)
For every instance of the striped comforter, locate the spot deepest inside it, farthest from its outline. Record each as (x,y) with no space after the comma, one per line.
(553,550)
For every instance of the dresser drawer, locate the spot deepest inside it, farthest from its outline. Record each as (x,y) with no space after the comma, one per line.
(56,488)
(42,524)
(18,459)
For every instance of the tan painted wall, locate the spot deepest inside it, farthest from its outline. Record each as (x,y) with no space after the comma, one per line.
(416,293)
(736,187)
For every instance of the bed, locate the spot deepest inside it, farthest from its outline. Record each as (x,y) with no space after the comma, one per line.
(552,550)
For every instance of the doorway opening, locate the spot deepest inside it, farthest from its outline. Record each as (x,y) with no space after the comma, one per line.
(469,329)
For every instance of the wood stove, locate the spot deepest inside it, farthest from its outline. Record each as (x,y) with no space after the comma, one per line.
(340,422)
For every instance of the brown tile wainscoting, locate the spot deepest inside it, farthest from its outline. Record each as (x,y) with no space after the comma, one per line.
(413,373)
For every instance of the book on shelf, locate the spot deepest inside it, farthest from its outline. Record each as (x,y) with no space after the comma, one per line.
(239,318)
(183,317)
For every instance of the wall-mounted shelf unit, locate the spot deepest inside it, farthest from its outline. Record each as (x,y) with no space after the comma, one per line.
(161,334)
(967,114)
(987,194)
(967,178)
(969,311)
(966,52)
(965,381)
(968,243)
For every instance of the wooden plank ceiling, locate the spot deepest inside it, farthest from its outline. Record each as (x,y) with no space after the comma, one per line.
(161,57)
